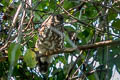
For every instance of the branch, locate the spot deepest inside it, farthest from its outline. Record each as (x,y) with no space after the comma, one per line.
(84,47)
(99,44)
(87,74)
(16,15)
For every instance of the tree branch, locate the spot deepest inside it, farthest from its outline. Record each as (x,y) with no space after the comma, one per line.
(84,47)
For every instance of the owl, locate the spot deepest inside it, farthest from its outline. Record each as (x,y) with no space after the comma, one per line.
(50,39)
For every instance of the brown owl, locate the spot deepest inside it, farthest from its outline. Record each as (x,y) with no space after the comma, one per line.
(50,40)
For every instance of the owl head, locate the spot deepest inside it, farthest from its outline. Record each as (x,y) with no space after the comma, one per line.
(57,20)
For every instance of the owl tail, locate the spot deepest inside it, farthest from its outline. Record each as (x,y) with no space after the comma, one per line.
(43,64)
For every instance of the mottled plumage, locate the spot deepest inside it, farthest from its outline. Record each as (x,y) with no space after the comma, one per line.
(50,39)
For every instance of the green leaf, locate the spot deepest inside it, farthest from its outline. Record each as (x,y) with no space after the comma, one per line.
(67,40)
(30,58)
(51,78)
(61,75)
(68,4)
(85,35)
(43,6)
(112,15)
(90,11)
(52,4)
(69,28)
(91,77)
(14,53)
(31,42)
(116,23)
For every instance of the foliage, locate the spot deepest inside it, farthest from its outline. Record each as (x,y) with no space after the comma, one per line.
(84,23)
(29,58)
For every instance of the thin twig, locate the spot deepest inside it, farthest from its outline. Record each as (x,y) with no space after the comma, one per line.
(85,23)
(73,66)
(28,24)
(16,14)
